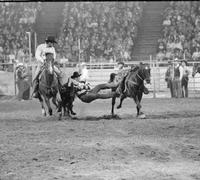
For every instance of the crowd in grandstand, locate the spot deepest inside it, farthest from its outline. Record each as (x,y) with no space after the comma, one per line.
(181,31)
(100,29)
(15,20)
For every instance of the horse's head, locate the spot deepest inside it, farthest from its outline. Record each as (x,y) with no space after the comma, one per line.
(145,73)
(49,62)
(195,69)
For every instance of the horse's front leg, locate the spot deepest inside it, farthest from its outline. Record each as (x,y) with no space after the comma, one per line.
(42,105)
(113,105)
(138,99)
(60,105)
(138,105)
(122,97)
(49,106)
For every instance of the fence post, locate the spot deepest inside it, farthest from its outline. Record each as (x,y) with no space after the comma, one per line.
(14,70)
(194,84)
(154,83)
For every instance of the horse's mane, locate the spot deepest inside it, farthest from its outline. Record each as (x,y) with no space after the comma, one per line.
(134,68)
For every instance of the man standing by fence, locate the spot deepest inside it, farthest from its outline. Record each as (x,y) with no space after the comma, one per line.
(184,72)
(169,78)
(177,80)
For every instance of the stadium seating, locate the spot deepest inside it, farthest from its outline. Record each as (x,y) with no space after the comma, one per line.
(102,30)
(15,20)
(181,31)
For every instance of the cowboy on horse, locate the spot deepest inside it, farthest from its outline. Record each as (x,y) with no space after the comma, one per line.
(40,54)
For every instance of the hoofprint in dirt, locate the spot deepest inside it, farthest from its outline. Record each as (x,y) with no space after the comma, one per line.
(165,146)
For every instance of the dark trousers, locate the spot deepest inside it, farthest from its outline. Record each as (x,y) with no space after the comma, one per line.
(177,87)
(170,86)
(184,87)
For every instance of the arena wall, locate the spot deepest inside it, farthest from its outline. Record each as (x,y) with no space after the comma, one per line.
(97,76)
(7,83)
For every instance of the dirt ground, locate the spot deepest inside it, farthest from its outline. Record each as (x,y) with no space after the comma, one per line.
(164,146)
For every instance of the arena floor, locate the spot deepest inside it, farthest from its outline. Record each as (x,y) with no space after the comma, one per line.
(164,146)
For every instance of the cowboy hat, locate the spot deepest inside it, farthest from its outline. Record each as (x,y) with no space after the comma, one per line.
(50,39)
(120,62)
(184,61)
(83,64)
(75,75)
(19,64)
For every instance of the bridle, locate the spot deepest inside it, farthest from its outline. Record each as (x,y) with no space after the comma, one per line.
(139,76)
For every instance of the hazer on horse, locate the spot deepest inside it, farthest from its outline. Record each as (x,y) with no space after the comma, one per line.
(49,74)
(48,86)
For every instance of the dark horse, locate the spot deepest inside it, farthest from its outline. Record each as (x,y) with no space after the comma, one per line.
(132,86)
(49,87)
(195,69)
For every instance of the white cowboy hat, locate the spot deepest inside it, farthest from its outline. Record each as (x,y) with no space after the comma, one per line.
(19,64)
(83,64)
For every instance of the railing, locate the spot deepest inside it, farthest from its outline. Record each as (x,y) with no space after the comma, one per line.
(99,73)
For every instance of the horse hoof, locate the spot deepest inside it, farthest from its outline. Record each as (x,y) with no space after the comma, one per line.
(73,113)
(60,117)
(118,107)
(142,116)
(43,112)
(66,114)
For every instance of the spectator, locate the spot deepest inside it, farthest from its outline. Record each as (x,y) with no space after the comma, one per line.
(169,78)
(184,73)
(105,29)
(177,80)
(181,26)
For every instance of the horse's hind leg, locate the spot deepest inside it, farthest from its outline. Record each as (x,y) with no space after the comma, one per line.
(123,96)
(113,105)
(42,105)
(60,105)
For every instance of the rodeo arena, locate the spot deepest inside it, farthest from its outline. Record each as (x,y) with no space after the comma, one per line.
(100,90)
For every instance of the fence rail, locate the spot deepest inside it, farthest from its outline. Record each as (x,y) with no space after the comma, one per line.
(99,73)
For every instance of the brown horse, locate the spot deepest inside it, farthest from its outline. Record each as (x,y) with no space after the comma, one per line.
(49,87)
(132,86)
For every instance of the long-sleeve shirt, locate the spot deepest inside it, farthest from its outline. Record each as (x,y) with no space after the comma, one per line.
(41,50)
(81,86)
(84,75)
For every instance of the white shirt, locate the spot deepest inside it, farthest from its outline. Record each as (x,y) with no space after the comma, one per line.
(41,50)
(84,75)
